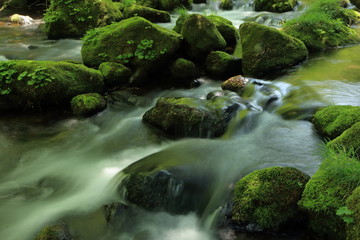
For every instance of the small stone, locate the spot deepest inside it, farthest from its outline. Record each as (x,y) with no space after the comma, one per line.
(235,84)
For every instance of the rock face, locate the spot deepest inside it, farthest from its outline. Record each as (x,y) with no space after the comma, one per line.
(151,14)
(332,121)
(43,84)
(73,18)
(191,117)
(56,232)
(268,197)
(266,49)
(274,5)
(221,65)
(135,42)
(87,104)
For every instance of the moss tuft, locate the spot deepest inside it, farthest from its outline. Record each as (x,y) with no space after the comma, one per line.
(87,104)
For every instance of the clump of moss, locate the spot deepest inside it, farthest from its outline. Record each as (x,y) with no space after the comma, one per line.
(332,121)
(87,104)
(327,191)
(226,4)
(268,197)
(324,25)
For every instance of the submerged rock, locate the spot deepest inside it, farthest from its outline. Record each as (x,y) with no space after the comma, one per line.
(87,104)
(183,71)
(191,117)
(55,232)
(268,197)
(151,14)
(275,5)
(265,49)
(35,85)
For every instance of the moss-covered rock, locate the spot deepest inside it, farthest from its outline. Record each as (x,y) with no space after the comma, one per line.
(324,25)
(235,84)
(353,219)
(171,5)
(14,5)
(327,191)
(183,71)
(115,74)
(222,65)
(274,5)
(201,35)
(148,3)
(135,42)
(268,197)
(226,4)
(332,121)
(151,14)
(55,232)
(349,140)
(191,117)
(87,104)
(266,49)
(41,84)
(226,29)
(74,17)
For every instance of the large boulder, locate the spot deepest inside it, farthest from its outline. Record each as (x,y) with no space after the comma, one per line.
(191,117)
(268,197)
(332,121)
(135,42)
(327,191)
(265,49)
(274,5)
(222,65)
(171,5)
(34,84)
(151,14)
(73,18)
(226,29)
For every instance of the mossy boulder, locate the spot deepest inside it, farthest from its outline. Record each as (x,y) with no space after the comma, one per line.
(151,14)
(268,197)
(327,191)
(332,121)
(73,18)
(353,218)
(191,117)
(235,84)
(135,42)
(265,49)
(115,74)
(171,5)
(222,65)
(274,5)
(226,4)
(44,84)
(348,141)
(55,232)
(87,104)
(201,35)
(324,25)
(226,29)
(183,71)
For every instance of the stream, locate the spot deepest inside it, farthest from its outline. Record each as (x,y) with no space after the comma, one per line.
(56,167)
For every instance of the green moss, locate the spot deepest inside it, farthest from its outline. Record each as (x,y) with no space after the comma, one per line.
(115,74)
(266,49)
(226,4)
(87,104)
(275,5)
(148,3)
(268,197)
(349,140)
(323,25)
(150,14)
(353,204)
(56,232)
(219,64)
(327,191)
(332,121)
(226,29)
(171,5)
(183,70)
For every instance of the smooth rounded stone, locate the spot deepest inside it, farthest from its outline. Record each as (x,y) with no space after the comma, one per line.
(191,117)
(222,65)
(55,232)
(115,74)
(151,14)
(88,104)
(266,49)
(235,84)
(274,5)
(268,198)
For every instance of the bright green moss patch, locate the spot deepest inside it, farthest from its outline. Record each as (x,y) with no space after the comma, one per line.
(274,5)
(349,140)
(87,104)
(226,29)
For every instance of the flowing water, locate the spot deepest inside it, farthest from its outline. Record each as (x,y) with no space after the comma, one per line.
(60,168)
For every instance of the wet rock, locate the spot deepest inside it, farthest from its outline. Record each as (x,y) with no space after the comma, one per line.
(267,198)
(222,65)
(35,85)
(275,5)
(266,49)
(226,29)
(55,232)
(88,104)
(183,71)
(115,74)
(191,117)
(235,84)
(226,4)
(151,14)
(352,216)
